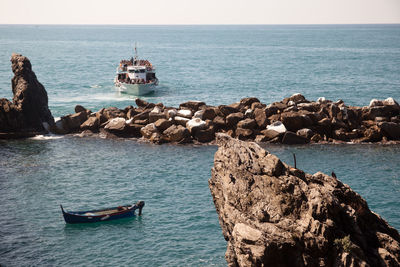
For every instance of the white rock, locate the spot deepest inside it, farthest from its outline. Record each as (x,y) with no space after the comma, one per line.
(196,123)
(171,113)
(129,121)
(375,103)
(340,101)
(344,112)
(277,126)
(199,114)
(186,113)
(156,110)
(291,103)
(248,112)
(390,102)
(113,122)
(321,100)
(181,120)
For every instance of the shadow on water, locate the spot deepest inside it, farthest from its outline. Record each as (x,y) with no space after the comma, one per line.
(125,223)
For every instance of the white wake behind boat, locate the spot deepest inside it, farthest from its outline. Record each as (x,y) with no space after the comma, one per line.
(136,76)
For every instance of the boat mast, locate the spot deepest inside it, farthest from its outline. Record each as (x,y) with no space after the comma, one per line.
(136,56)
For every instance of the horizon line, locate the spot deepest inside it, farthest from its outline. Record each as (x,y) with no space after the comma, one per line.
(204,24)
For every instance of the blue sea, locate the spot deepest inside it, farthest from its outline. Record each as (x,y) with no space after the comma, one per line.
(215,64)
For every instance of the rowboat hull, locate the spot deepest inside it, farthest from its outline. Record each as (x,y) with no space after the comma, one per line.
(102,215)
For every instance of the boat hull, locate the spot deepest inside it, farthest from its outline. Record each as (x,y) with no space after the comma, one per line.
(93,216)
(135,89)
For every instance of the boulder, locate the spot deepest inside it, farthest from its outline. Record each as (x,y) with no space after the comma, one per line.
(133,130)
(316,138)
(192,105)
(249,113)
(163,124)
(100,116)
(255,105)
(295,98)
(311,107)
(260,138)
(233,118)
(305,132)
(391,130)
(277,127)
(185,113)
(143,117)
(247,124)
(29,112)
(113,112)
(390,102)
(199,114)
(219,122)
(272,214)
(148,130)
(153,117)
(92,124)
(372,134)
(290,138)
(226,110)
(181,120)
(260,117)
(375,103)
(116,126)
(274,108)
(294,121)
(243,133)
(342,134)
(196,124)
(321,100)
(171,113)
(209,113)
(248,101)
(131,113)
(79,108)
(204,135)
(176,133)
(141,103)
(70,123)
(270,134)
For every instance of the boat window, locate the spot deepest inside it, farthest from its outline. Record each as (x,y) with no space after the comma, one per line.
(131,71)
(142,71)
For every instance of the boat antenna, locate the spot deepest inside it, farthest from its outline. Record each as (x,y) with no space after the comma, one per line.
(136,57)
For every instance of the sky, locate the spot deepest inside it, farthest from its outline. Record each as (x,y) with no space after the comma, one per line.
(199,11)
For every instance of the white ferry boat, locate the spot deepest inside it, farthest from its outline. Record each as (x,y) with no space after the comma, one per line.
(136,76)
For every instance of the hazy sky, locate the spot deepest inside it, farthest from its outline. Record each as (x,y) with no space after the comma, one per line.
(198,12)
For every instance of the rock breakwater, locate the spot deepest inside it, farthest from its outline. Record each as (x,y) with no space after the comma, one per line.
(294,120)
(273,214)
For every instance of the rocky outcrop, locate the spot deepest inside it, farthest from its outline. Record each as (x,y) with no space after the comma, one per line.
(272,214)
(29,113)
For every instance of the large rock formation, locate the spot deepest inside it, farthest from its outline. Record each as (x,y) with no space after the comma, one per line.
(272,214)
(29,112)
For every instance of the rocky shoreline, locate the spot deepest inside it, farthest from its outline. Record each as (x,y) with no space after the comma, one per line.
(294,120)
(273,214)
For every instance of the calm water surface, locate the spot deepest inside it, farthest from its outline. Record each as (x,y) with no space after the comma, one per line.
(216,64)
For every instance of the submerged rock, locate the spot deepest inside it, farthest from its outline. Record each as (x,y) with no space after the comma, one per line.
(272,214)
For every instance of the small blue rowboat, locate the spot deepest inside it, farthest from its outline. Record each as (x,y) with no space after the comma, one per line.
(103,214)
